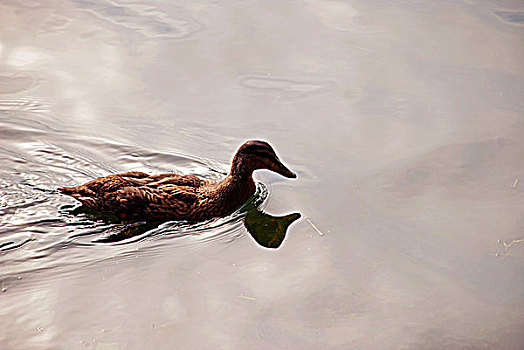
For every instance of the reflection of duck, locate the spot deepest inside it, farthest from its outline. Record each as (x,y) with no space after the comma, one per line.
(136,195)
(267,230)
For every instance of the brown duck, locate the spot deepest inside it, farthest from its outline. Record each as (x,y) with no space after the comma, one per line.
(139,196)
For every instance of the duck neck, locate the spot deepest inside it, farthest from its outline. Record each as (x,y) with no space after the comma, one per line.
(238,186)
(240,171)
(237,189)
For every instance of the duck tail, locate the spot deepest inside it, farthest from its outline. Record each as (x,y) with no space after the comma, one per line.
(76,192)
(80,193)
(68,190)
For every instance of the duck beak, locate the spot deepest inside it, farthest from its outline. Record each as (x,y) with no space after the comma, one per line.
(281,169)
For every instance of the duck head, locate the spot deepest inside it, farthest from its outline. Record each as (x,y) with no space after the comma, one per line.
(254,155)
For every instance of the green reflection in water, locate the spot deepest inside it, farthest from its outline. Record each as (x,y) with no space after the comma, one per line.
(269,231)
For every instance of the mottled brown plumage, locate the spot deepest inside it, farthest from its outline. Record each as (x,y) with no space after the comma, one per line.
(139,196)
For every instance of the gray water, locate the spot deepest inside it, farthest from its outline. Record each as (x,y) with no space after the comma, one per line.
(403,120)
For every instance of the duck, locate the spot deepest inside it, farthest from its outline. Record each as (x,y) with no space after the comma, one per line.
(135,195)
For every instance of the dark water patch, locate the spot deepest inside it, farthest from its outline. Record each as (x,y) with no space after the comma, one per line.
(147,20)
(511,17)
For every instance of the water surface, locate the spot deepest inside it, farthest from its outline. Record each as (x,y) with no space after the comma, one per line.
(404,122)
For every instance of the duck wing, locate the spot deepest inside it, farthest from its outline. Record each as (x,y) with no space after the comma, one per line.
(135,195)
(144,202)
(167,179)
(99,186)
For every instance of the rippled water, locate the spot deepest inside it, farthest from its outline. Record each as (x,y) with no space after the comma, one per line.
(403,120)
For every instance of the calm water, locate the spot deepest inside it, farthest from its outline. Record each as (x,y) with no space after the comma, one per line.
(404,121)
